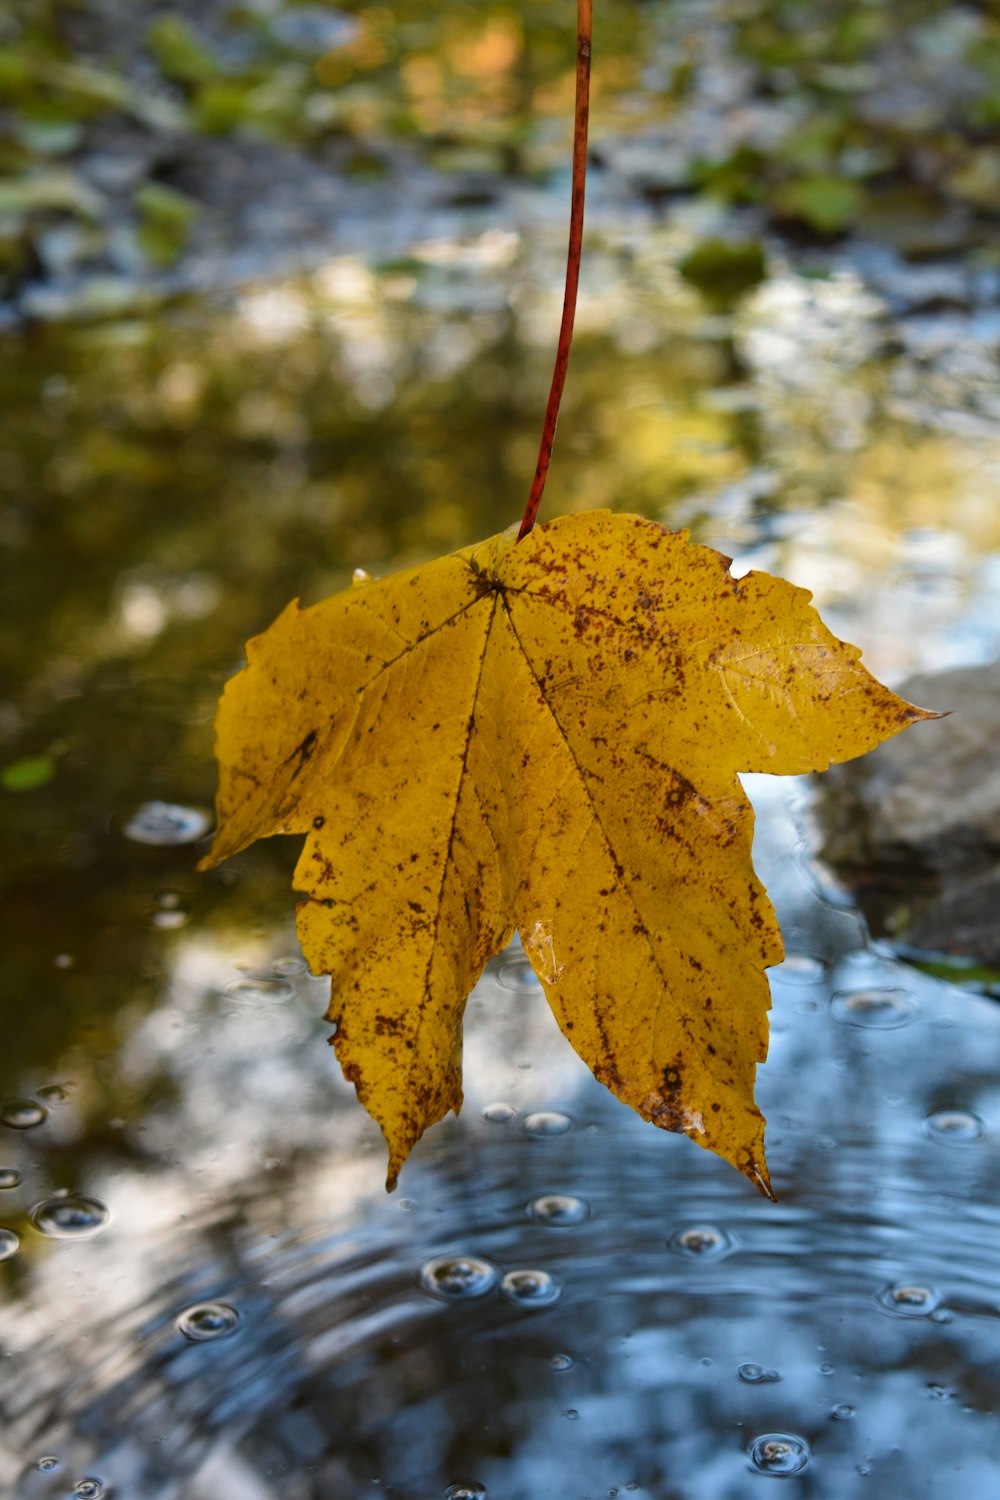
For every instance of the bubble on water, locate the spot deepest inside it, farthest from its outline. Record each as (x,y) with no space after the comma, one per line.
(560,1361)
(842,1412)
(71,1217)
(519,976)
(23,1114)
(702,1242)
(466,1489)
(9,1177)
(289,968)
(752,1374)
(558,1209)
(54,1093)
(909,1299)
(530,1288)
(9,1243)
(957,1126)
(407,1205)
(779,1453)
(571,1414)
(88,1489)
(258,993)
(826,1369)
(877,1010)
(547,1122)
(457,1277)
(799,968)
(499,1113)
(166,823)
(206,1321)
(169,921)
(47,1464)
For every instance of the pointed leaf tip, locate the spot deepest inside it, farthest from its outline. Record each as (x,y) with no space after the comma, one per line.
(545,737)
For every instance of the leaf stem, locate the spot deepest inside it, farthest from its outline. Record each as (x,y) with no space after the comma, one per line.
(581,120)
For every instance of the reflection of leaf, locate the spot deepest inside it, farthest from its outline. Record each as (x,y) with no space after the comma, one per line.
(544,736)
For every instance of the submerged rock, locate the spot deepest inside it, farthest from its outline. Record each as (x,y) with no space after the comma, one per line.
(914,828)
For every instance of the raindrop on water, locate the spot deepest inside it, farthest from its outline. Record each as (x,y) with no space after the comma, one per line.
(877,1010)
(206,1321)
(466,1489)
(779,1453)
(169,921)
(757,1375)
(88,1489)
(571,1414)
(547,1122)
(54,1093)
(530,1288)
(799,968)
(499,1114)
(73,1217)
(9,1177)
(166,823)
(560,1361)
(558,1209)
(258,994)
(954,1125)
(842,1412)
(47,1464)
(23,1114)
(702,1242)
(909,1299)
(455,1277)
(9,1242)
(289,968)
(518,976)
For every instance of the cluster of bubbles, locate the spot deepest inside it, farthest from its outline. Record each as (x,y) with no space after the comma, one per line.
(752,1374)
(456,1278)
(88,1488)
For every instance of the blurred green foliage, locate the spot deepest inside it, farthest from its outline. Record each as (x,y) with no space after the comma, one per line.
(844,101)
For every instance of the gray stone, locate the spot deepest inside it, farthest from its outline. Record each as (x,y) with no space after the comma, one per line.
(914,827)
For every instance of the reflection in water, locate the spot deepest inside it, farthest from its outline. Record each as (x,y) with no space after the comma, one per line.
(205,1291)
(603,1308)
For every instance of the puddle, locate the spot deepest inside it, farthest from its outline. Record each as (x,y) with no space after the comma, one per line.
(598,1308)
(204,1290)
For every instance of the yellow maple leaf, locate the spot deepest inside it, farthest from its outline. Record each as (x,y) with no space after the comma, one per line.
(544,736)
